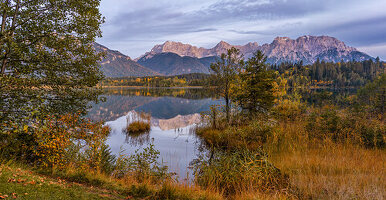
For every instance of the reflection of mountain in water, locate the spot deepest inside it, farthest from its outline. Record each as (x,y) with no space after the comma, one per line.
(119,103)
(180,121)
(169,107)
(116,106)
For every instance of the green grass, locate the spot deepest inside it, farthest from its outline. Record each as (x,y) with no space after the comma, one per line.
(26,184)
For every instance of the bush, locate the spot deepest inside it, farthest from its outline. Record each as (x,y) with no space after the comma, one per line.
(138,127)
(288,110)
(372,135)
(346,127)
(251,136)
(143,166)
(238,171)
(57,142)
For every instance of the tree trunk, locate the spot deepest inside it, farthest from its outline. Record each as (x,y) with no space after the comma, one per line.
(4,20)
(12,33)
(227,101)
(3,23)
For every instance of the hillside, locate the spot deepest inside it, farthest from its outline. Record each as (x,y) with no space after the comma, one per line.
(115,64)
(173,64)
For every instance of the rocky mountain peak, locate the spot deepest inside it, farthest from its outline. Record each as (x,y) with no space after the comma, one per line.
(222,44)
(306,48)
(116,64)
(281,39)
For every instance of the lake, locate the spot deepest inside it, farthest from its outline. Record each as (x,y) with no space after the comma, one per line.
(174,112)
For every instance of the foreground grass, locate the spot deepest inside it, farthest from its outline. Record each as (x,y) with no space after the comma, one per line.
(328,170)
(317,166)
(18,182)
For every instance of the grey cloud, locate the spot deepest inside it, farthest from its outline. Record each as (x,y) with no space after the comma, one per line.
(205,30)
(162,20)
(158,21)
(359,33)
(274,9)
(248,32)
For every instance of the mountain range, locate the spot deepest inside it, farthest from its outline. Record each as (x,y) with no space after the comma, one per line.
(175,58)
(174,64)
(116,64)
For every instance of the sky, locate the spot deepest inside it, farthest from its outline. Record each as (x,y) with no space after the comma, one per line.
(134,26)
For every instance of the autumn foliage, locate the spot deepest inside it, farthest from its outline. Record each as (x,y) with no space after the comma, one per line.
(56,142)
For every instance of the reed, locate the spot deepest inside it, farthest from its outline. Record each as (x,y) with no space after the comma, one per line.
(138,127)
(325,169)
(138,123)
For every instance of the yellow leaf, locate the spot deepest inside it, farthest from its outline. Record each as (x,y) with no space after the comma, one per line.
(25,128)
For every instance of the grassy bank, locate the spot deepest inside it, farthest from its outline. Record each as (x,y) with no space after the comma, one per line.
(317,153)
(21,182)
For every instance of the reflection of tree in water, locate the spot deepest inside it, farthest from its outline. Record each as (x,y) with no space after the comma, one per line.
(162,103)
(138,139)
(186,93)
(140,135)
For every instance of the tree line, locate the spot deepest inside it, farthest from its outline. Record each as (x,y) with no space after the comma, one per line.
(194,79)
(320,74)
(341,74)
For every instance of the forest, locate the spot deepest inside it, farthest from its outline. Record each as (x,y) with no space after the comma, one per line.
(320,74)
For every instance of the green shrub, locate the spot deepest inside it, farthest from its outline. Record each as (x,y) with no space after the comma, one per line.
(167,192)
(346,127)
(372,135)
(140,191)
(251,136)
(238,171)
(56,142)
(288,110)
(142,166)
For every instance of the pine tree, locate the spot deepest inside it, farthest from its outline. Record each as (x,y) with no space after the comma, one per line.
(256,93)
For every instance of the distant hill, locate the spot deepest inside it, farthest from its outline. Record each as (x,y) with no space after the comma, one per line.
(283,49)
(115,64)
(173,64)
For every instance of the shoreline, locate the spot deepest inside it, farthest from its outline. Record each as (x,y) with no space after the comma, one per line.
(146,87)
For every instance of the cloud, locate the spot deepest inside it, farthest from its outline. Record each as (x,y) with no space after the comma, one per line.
(205,22)
(375,50)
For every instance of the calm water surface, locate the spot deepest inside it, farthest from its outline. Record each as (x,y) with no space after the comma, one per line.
(174,113)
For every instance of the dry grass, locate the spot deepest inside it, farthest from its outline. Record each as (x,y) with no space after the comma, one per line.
(326,170)
(138,127)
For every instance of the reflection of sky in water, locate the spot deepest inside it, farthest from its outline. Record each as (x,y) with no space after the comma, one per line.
(177,147)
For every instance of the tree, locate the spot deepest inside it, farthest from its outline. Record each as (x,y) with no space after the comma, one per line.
(224,72)
(255,94)
(372,96)
(48,62)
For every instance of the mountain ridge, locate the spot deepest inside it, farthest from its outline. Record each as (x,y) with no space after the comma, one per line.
(116,64)
(169,63)
(176,58)
(282,49)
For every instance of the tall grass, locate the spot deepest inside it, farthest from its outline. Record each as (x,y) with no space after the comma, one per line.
(138,123)
(327,153)
(324,168)
(238,172)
